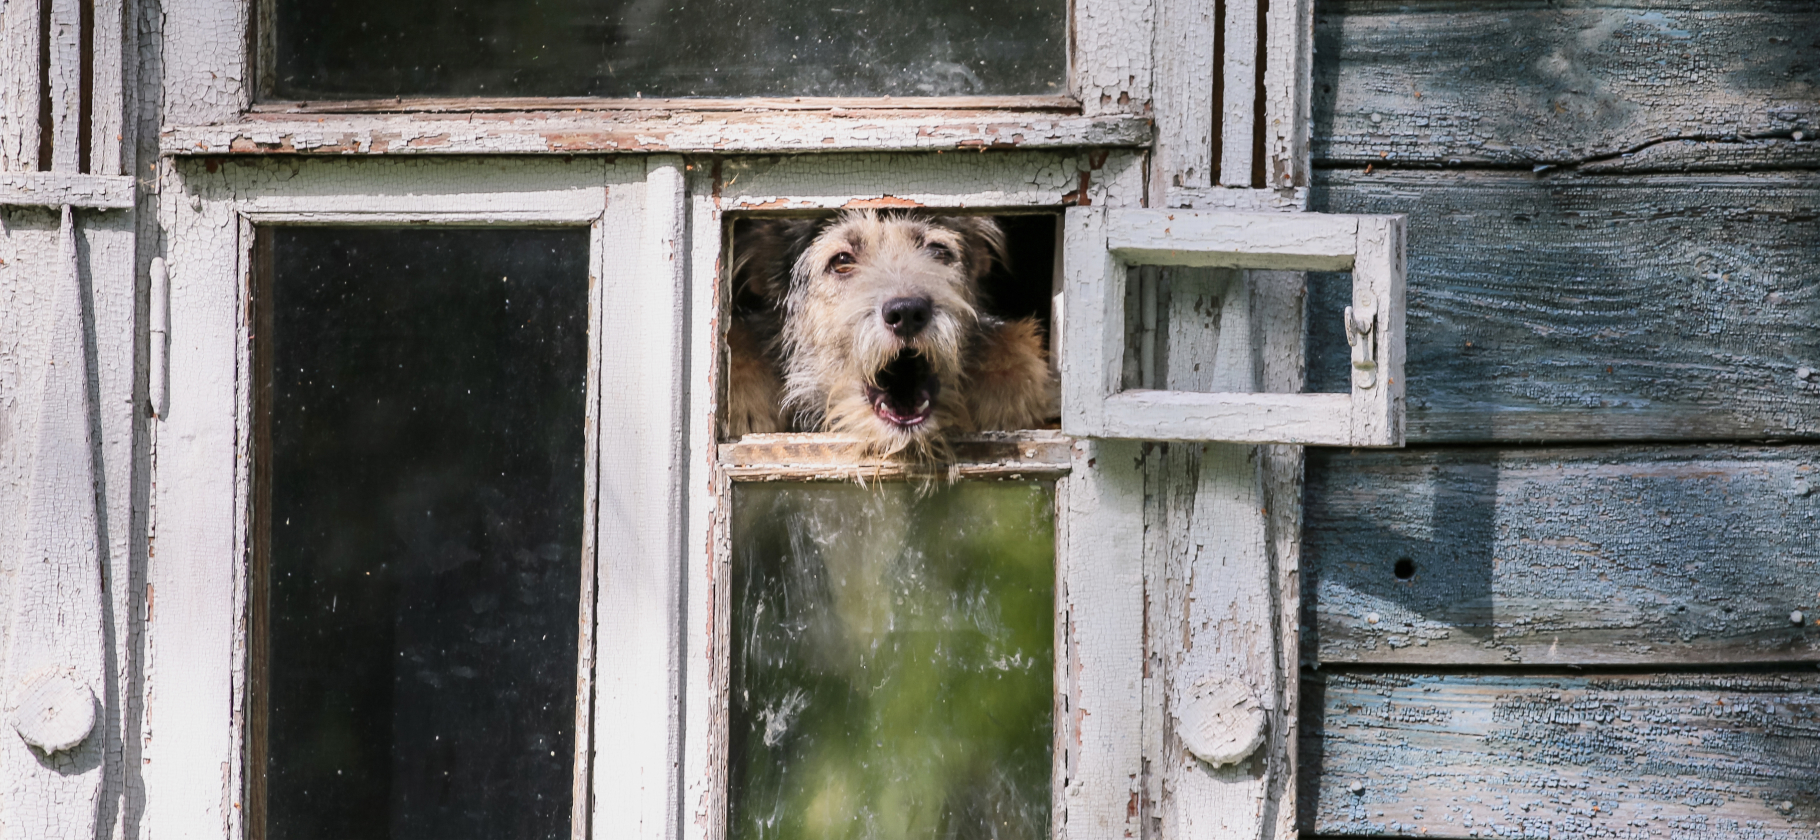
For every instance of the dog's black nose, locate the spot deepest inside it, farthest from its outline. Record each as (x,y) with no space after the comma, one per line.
(907,316)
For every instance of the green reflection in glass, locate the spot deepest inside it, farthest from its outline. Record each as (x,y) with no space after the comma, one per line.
(892,661)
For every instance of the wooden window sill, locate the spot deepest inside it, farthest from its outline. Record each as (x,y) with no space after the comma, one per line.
(647,130)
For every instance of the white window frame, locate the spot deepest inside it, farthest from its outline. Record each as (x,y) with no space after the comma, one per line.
(1102,247)
(659,692)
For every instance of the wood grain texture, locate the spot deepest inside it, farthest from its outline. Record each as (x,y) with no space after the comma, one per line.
(1238,70)
(999,180)
(635,785)
(20,83)
(1645,556)
(825,457)
(1683,83)
(1102,721)
(1186,113)
(55,606)
(645,131)
(1694,756)
(1220,546)
(1611,307)
(50,189)
(1111,55)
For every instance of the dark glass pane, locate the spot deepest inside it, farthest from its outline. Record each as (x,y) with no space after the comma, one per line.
(426,521)
(356,49)
(892,661)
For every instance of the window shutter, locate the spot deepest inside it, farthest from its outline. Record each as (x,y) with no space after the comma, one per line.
(1103,245)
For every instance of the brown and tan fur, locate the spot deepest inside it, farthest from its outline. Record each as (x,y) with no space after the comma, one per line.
(871,325)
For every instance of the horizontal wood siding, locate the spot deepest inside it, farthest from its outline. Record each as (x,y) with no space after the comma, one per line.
(1670,83)
(1595,307)
(1693,757)
(1614,228)
(1634,555)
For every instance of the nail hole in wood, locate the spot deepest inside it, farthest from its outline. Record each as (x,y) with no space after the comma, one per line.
(1405,568)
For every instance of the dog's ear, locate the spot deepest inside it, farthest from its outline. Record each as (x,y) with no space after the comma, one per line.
(984,239)
(764,253)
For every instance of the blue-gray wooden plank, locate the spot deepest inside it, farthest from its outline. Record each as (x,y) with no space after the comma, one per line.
(1634,555)
(1612,307)
(1691,757)
(1628,84)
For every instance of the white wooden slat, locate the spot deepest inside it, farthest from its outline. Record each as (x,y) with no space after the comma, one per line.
(804,182)
(65,80)
(110,149)
(1094,402)
(205,62)
(1377,283)
(1093,290)
(1288,73)
(1110,59)
(55,612)
(1310,419)
(645,132)
(1313,242)
(637,726)
(194,635)
(1238,106)
(1185,110)
(20,84)
(51,189)
(707,547)
(1100,730)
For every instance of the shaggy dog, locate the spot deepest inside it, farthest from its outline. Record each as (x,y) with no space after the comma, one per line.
(870,325)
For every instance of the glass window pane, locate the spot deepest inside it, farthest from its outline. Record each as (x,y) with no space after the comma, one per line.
(360,49)
(426,519)
(892,661)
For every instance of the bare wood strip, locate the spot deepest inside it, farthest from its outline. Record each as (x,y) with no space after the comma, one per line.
(1696,756)
(463,105)
(608,131)
(1608,556)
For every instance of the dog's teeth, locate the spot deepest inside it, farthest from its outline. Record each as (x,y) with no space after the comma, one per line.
(922,405)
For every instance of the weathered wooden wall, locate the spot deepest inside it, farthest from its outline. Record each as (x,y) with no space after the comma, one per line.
(1614,228)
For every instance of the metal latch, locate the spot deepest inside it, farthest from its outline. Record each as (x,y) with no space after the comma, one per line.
(1359,328)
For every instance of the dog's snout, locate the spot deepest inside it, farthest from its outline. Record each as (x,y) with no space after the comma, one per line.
(907,316)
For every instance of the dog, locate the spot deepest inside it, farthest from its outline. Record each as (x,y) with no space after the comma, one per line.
(872,325)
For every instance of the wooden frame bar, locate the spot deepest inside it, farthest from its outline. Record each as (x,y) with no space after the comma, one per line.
(1103,244)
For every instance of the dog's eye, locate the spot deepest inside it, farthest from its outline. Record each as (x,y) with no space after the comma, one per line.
(941,252)
(842,263)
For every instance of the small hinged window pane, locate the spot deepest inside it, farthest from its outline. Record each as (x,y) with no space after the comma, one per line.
(1102,247)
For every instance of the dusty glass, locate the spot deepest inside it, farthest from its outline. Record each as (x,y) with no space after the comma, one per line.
(426,518)
(892,661)
(363,49)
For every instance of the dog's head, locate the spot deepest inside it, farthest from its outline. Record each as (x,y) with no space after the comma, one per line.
(877,320)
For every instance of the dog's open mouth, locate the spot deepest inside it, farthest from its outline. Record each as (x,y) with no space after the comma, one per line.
(905,393)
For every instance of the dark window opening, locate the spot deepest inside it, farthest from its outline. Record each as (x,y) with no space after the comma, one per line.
(419,485)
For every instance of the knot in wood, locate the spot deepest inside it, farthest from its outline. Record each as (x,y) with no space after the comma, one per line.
(54,712)
(1221,722)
